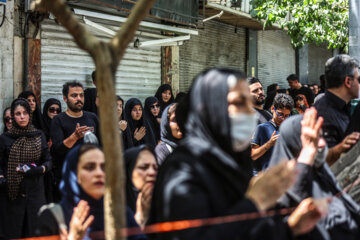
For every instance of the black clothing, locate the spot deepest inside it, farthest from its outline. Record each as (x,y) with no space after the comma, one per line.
(89,101)
(354,125)
(336,114)
(158,95)
(36,115)
(318,181)
(307,92)
(46,119)
(264,116)
(204,177)
(169,142)
(21,214)
(153,123)
(269,100)
(62,126)
(149,137)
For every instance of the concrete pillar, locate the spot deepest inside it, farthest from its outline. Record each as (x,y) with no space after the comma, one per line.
(6,58)
(354,28)
(303,64)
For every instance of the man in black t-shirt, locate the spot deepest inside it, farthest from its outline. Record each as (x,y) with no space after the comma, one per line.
(68,128)
(297,88)
(90,97)
(257,93)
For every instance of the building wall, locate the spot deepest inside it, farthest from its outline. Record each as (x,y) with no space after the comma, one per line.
(216,45)
(318,55)
(6,59)
(276,58)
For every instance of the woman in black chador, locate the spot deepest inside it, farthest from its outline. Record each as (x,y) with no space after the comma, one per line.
(138,126)
(152,114)
(316,180)
(208,174)
(165,96)
(52,107)
(24,158)
(35,109)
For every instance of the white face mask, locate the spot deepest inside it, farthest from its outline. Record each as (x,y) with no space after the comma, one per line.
(242,128)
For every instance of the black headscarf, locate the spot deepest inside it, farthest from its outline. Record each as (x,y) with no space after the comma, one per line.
(130,157)
(36,115)
(45,117)
(118,98)
(158,95)
(149,137)
(5,110)
(208,128)
(343,211)
(166,135)
(153,123)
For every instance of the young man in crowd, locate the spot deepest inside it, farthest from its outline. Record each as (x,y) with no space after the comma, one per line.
(297,88)
(258,99)
(267,133)
(68,128)
(342,82)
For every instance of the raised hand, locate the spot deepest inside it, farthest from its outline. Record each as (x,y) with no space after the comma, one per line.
(266,188)
(80,221)
(139,133)
(80,131)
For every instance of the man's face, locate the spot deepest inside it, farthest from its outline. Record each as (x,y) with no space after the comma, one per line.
(257,93)
(75,99)
(280,115)
(292,84)
(354,90)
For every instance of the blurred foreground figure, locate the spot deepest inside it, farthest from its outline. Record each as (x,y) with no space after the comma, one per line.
(209,174)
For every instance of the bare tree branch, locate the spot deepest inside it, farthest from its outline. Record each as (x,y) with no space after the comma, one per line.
(84,39)
(127,32)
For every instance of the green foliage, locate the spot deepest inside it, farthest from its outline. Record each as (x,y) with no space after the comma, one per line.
(307,21)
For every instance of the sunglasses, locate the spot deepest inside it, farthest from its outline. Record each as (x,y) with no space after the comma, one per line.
(54,110)
(281,115)
(154,106)
(7,119)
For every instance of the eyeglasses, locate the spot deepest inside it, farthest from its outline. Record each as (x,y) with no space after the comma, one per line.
(7,119)
(155,106)
(54,110)
(281,115)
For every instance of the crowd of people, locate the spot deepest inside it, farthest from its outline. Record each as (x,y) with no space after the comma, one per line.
(223,148)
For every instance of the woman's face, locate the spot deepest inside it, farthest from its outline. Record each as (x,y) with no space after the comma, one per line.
(136,112)
(119,108)
(32,103)
(21,116)
(155,109)
(175,130)
(53,110)
(7,119)
(239,99)
(90,173)
(145,169)
(166,95)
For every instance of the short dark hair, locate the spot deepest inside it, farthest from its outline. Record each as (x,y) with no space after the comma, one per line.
(271,87)
(93,75)
(67,85)
(338,68)
(283,101)
(252,80)
(293,77)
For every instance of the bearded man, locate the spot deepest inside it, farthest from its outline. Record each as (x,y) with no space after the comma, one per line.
(258,96)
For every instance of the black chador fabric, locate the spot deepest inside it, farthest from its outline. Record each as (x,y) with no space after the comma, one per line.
(318,181)
(46,119)
(168,141)
(158,95)
(36,115)
(204,177)
(149,137)
(153,123)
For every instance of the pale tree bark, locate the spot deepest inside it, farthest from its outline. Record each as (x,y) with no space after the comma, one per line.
(106,57)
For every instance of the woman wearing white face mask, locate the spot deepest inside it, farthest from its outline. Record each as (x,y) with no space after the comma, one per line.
(208,174)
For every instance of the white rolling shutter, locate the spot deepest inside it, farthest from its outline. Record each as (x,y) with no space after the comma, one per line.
(139,73)
(276,58)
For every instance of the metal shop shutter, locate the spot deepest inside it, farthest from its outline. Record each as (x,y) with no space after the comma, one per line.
(318,55)
(276,58)
(217,45)
(139,74)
